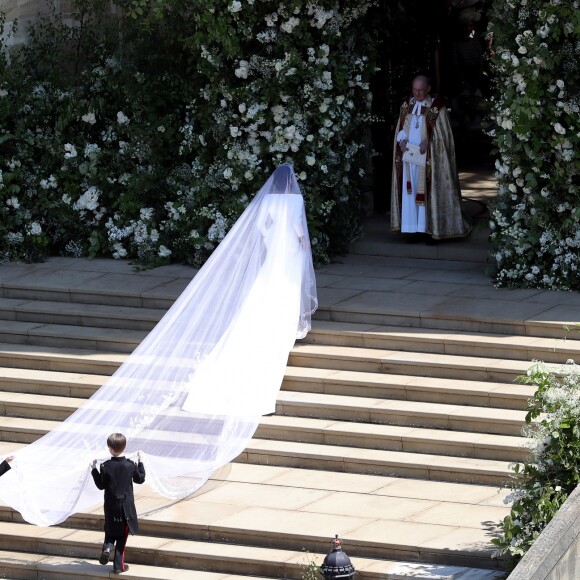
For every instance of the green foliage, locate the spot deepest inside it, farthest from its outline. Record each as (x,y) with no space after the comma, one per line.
(310,570)
(144,133)
(544,481)
(536,218)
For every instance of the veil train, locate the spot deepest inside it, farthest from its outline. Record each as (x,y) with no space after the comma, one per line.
(191,395)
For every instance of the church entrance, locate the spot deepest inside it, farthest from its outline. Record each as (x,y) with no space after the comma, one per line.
(445,40)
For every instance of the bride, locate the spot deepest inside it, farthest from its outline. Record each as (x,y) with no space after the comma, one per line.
(191,395)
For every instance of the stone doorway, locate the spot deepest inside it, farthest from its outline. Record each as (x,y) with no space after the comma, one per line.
(444,39)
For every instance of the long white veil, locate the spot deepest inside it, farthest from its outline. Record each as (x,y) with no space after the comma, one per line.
(191,395)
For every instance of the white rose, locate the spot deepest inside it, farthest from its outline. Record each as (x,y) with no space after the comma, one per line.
(235,6)
(227,172)
(89,118)
(559,129)
(302,175)
(310,159)
(122,119)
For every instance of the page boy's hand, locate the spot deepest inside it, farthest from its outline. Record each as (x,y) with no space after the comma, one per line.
(94,464)
(9,458)
(138,456)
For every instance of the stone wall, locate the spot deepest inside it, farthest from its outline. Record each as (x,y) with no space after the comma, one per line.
(26,11)
(555,555)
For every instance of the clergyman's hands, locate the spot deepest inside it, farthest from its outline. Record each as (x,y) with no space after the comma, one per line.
(423,147)
(403,144)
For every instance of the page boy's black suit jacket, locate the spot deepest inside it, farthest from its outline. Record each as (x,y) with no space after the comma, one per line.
(116,477)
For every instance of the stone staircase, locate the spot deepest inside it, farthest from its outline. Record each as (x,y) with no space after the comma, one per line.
(395,432)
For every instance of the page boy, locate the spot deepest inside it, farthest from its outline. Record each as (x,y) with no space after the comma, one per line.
(116,477)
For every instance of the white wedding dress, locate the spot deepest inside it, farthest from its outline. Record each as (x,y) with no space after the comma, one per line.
(264,329)
(191,396)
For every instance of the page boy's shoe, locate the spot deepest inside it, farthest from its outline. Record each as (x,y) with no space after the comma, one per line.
(119,571)
(104,559)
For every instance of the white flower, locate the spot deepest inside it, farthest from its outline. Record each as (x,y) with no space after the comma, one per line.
(122,119)
(310,159)
(161,129)
(71,152)
(228,172)
(517,172)
(66,198)
(248,175)
(512,187)
(235,6)
(242,108)
(164,252)
(271,19)
(243,70)
(3,92)
(559,129)
(88,200)
(522,50)
(49,183)
(34,229)
(290,25)
(324,169)
(235,131)
(89,118)
(13,202)
(543,31)
(146,213)
(302,175)
(560,83)
(323,107)
(120,251)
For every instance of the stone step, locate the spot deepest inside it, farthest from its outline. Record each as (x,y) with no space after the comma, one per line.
(326,457)
(64,336)
(394,438)
(127,289)
(42,382)
(159,292)
(277,508)
(319,406)
(301,379)
(67,360)
(407,363)
(403,413)
(382,308)
(29,566)
(444,440)
(61,548)
(451,342)
(407,387)
(77,314)
(377,462)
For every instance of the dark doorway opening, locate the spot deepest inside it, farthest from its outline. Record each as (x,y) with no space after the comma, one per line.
(445,40)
